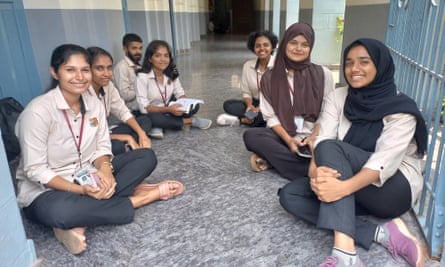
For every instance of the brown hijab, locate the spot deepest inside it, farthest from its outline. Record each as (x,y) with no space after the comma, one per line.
(308,83)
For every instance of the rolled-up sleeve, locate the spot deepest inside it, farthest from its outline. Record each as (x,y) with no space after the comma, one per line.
(392,145)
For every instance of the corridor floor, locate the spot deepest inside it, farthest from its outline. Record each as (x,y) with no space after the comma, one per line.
(228,215)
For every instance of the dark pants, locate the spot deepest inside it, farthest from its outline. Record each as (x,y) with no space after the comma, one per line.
(237,108)
(267,144)
(389,201)
(169,121)
(119,147)
(65,210)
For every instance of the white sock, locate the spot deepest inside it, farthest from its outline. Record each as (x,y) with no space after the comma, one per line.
(380,235)
(347,257)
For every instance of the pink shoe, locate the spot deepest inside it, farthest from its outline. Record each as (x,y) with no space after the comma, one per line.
(402,243)
(332,261)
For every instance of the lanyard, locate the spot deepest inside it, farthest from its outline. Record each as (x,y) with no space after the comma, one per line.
(164,96)
(72,134)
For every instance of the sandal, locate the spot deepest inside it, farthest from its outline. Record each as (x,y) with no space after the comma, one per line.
(258,164)
(164,189)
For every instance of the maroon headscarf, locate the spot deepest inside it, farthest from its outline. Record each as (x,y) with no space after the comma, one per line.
(308,82)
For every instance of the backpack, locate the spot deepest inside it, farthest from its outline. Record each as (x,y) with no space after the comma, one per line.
(10,110)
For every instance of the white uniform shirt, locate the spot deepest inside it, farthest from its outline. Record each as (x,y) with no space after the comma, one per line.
(272,119)
(150,92)
(124,75)
(47,145)
(113,102)
(395,148)
(251,78)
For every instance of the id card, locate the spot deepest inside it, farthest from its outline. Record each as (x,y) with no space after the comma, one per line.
(85,176)
(299,121)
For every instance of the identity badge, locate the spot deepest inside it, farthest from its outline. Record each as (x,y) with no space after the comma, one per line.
(299,121)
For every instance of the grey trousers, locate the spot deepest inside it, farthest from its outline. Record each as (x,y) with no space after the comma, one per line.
(267,144)
(65,210)
(386,202)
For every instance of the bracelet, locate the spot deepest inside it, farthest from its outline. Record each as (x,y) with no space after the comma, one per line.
(109,164)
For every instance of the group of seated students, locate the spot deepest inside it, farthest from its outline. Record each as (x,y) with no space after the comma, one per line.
(348,152)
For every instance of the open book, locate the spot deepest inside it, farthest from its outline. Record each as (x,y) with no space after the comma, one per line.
(187,104)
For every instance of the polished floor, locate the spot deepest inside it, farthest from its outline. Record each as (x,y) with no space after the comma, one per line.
(228,215)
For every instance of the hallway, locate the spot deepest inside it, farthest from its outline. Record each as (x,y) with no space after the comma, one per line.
(228,215)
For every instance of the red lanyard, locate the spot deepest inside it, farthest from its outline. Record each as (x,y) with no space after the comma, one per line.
(72,134)
(164,96)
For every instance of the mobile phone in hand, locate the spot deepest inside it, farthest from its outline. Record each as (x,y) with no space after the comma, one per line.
(304,151)
(251,114)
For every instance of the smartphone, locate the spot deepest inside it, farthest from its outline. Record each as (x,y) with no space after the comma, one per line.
(304,151)
(251,114)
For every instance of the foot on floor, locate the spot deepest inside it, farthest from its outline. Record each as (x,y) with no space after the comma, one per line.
(167,189)
(73,239)
(400,242)
(258,164)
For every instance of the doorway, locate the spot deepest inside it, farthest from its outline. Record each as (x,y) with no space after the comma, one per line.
(18,72)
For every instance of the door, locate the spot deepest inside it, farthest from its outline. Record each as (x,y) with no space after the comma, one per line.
(18,72)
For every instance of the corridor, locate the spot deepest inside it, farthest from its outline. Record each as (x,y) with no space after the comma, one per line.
(228,215)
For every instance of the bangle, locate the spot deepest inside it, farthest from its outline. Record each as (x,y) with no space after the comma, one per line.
(109,164)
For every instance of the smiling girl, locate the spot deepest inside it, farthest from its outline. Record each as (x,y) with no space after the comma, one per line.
(262,44)
(157,84)
(290,101)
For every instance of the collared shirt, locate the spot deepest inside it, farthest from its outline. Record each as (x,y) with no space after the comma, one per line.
(273,120)
(47,145)
(150,92)
(251,78)
(112,101)
(395,148)
(124,77)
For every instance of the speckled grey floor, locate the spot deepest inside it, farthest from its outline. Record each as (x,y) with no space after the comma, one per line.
(228,215)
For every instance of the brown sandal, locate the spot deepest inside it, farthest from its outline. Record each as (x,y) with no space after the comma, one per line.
(164,189)
(258,164)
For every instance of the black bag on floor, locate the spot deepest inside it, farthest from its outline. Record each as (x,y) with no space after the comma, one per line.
(10,110)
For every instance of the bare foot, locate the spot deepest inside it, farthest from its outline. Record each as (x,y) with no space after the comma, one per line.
(74,239)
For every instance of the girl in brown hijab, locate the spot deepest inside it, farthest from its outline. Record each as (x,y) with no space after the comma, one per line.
(290,99)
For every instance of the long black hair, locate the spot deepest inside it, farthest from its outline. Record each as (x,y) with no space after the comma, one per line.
(62,54)
(171,71)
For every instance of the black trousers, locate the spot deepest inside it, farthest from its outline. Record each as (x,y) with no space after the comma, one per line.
(386,202)
(169,121)
(267,144)
(65,210)
(237,108)
(119,147)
